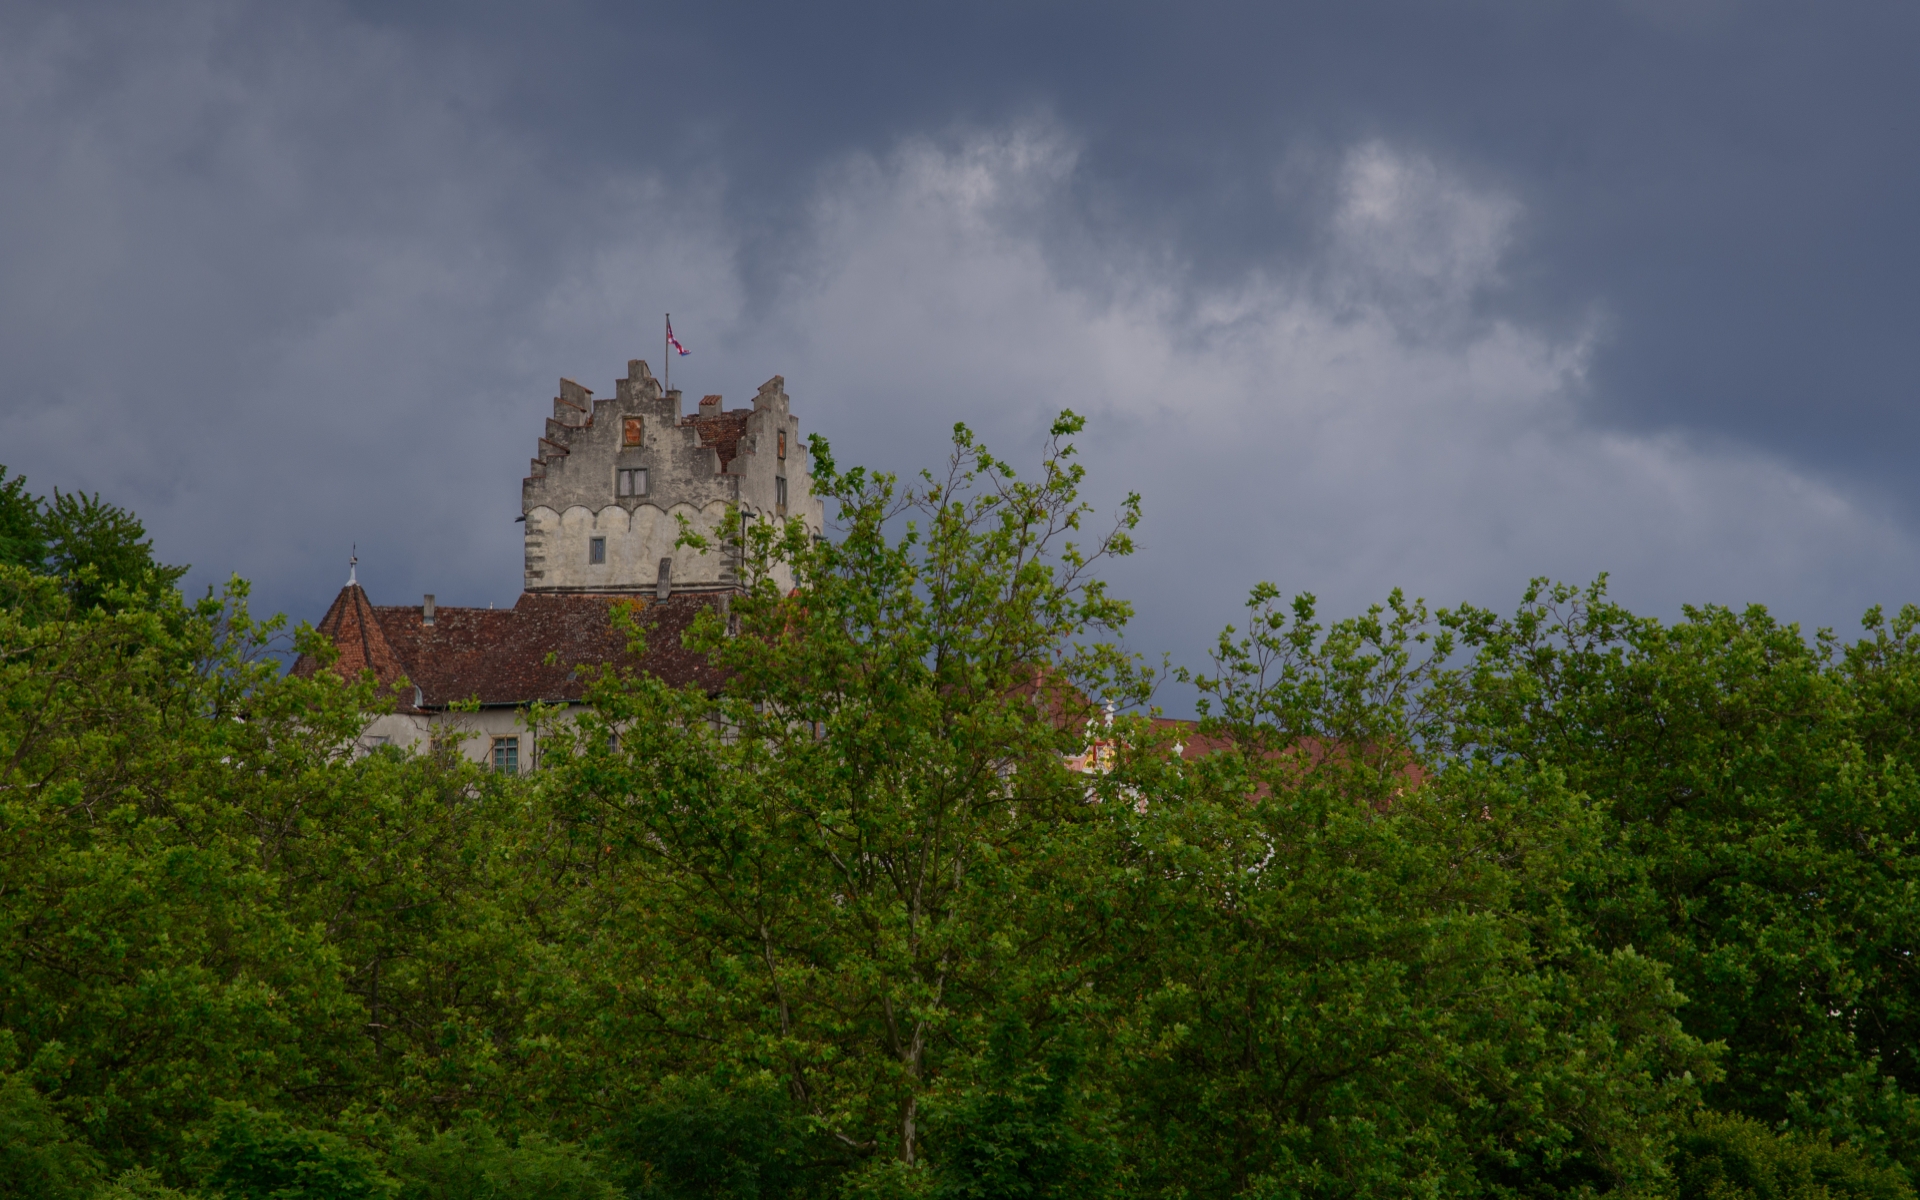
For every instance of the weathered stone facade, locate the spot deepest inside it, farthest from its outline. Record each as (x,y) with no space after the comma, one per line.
(612,477)
(598,538)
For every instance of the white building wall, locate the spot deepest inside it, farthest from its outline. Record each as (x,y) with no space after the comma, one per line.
(472,732)
(636,542)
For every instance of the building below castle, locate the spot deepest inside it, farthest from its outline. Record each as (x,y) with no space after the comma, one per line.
(603,507)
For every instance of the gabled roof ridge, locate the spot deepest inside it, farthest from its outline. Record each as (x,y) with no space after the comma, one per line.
(544,647)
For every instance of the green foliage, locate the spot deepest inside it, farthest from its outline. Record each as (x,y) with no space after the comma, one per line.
(102,552)
(142,1184)
(253,1155)
(38,1155)
(1761,819)
(140,930)
(1029,1124)
(1749,795)
(1452,903)
(1723,1157)
(474,1163)
(812,878)
(717,1139)
(23,540)
(1392,931)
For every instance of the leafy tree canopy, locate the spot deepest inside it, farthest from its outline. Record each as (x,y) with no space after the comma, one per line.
(1563,902)
(101,551)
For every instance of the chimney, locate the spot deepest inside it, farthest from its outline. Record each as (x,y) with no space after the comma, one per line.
(664,587)
(709,406)
(426,610)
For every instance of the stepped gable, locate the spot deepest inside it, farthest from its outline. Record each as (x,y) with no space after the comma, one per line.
(572,414)
(500,656)
(612,478)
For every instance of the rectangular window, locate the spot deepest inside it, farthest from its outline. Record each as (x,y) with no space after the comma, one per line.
(506,755)
(780,491)
(596,550)
(631,481)
(630,432)
(783,444)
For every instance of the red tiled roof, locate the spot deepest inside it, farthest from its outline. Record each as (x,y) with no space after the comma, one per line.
(500,656)
(1186,734)
(355,628)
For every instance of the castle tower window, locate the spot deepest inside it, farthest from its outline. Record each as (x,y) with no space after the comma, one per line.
(631,481)
(780,490)
(596,550)
(783,445)
(630,431)
(506,755)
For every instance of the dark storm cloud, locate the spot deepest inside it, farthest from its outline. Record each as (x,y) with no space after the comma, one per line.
(1736,181)
(1442,296)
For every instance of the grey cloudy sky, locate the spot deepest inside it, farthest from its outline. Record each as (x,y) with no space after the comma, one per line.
(1358,295)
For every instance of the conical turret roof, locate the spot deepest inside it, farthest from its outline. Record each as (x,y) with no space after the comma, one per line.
(352,625)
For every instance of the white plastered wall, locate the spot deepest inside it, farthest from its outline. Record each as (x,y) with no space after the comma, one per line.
(635,544)
(475,732)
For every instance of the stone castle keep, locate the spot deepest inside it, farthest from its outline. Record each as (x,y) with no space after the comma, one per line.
(612,476)
(603,504)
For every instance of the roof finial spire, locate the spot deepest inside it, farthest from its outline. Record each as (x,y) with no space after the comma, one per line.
(353,567)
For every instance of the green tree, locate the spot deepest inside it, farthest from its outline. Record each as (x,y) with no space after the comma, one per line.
(1760,812)
(207,895)
(1026,1125)
(101,550)
(23,541)
(254,1155)
(140,929)
(38,1154)
(1723,1157)
(717,1137)
(822,875)
(1360,975)
(1454,904)
(424,875)
(475,1163)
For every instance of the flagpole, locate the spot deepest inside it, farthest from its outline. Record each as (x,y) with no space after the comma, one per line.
(666,354)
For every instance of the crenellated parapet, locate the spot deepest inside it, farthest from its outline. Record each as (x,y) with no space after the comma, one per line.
(611,478)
